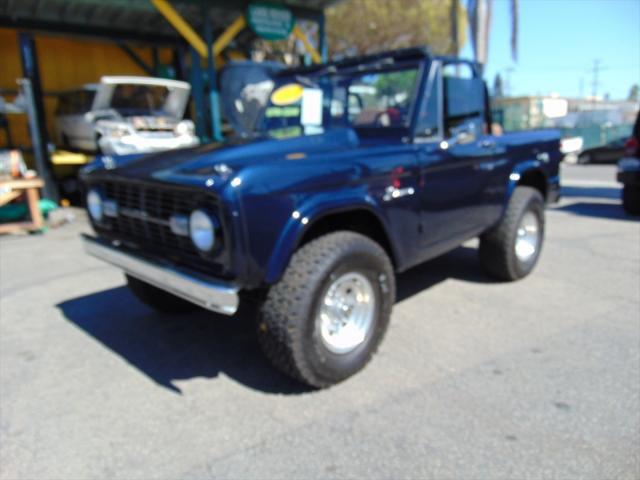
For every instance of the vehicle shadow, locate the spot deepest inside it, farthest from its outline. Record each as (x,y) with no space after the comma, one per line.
(599,202)
(591,192)
(170,348)
(461,264)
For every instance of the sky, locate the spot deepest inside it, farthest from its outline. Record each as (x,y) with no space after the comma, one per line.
(558,42)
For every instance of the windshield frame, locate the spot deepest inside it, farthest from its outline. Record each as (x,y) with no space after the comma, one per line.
(355,70)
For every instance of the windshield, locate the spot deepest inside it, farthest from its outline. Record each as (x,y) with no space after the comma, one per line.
(373,100)
(135,99)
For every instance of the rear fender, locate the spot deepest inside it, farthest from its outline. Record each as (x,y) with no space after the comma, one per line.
(519,171)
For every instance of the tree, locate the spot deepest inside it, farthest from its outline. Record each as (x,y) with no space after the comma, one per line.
(633,93)
(497,86)
(480,12)
(368,26)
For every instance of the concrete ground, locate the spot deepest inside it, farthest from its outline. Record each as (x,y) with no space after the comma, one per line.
(534,379)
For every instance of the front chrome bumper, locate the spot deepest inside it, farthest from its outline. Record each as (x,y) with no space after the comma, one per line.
(212,295)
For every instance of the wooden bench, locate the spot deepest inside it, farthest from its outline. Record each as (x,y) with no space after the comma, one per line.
(30,187)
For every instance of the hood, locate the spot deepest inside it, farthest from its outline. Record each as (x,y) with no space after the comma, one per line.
(175,100)
(227,159)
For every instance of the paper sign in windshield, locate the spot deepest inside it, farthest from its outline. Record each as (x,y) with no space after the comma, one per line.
(311,107)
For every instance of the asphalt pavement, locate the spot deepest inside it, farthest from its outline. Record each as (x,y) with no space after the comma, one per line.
(475,379)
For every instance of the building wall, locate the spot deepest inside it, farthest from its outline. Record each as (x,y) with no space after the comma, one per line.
(64,63)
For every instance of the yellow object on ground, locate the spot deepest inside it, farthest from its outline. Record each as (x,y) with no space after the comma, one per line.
(62,157)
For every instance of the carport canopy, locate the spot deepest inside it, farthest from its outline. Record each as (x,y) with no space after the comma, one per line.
(206,26)
(136,19)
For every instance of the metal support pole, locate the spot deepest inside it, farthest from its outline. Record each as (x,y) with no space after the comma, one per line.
(214,104)
(197,92)
(179,66)
(35,107)
(322,36)
(155,60)
(149,70)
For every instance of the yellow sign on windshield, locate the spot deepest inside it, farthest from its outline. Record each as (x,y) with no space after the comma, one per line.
(287,94)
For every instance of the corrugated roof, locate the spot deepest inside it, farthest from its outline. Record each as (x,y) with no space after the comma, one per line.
(130,19)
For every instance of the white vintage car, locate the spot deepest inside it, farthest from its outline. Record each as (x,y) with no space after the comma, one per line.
(123,115)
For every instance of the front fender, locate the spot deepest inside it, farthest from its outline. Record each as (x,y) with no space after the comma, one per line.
(306,215)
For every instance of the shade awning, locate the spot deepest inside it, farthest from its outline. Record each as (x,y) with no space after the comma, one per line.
(135,20)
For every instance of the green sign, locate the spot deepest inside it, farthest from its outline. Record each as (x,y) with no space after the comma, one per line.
(271,22)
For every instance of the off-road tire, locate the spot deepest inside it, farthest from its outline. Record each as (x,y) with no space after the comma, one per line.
(497,246)
(157,298)
(631,199)
(288,332)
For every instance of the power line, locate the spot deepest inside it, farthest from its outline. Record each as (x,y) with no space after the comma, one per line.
(551,68)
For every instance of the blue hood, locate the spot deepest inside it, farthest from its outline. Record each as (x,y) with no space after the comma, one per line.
(226,159)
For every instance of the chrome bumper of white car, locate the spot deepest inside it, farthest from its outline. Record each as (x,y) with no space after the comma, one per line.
(144,144)
(213,295)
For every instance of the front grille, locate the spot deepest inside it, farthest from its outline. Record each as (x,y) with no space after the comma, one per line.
(144,212)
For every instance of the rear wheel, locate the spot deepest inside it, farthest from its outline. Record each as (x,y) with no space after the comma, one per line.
(157,298)
(631,199)
(325,318)
(510,250)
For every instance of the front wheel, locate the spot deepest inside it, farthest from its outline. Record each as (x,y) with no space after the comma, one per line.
(510,250)
(323,321)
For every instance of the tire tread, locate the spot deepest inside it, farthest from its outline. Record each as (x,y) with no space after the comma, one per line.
(288,301)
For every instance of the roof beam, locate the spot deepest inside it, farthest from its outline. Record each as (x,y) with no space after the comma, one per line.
(136,59)
(182,26)
(300,35)
(85,30)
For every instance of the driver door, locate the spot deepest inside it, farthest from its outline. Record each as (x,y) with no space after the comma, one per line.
(452,154)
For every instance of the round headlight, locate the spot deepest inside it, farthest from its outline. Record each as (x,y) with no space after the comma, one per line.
(185,127)
(94,205)
(202,230)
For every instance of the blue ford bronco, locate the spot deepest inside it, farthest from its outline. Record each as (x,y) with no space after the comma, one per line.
(355,170)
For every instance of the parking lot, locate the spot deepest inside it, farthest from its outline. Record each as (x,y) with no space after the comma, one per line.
(475,379)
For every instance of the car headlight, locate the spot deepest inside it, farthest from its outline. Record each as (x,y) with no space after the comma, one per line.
(94,205)
(185,127)
(119,132)
(202,230)
(114,130)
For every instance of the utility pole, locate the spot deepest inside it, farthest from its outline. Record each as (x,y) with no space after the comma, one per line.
(594,85)
(507,89)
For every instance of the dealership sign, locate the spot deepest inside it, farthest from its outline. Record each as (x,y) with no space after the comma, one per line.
(271,22)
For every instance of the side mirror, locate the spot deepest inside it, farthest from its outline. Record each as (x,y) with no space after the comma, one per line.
(461,134)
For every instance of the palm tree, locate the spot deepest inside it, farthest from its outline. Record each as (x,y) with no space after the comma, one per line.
(479,14)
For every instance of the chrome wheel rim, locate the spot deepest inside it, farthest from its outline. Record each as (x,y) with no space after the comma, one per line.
(346,313)
(528,237)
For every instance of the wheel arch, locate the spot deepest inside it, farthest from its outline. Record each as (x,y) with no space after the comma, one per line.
(529,174)
(361,218)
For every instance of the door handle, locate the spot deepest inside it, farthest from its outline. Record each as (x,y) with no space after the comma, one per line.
(392,193)
(492,165)
(487,144)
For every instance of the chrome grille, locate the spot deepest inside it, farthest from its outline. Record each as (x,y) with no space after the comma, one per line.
(143,219)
